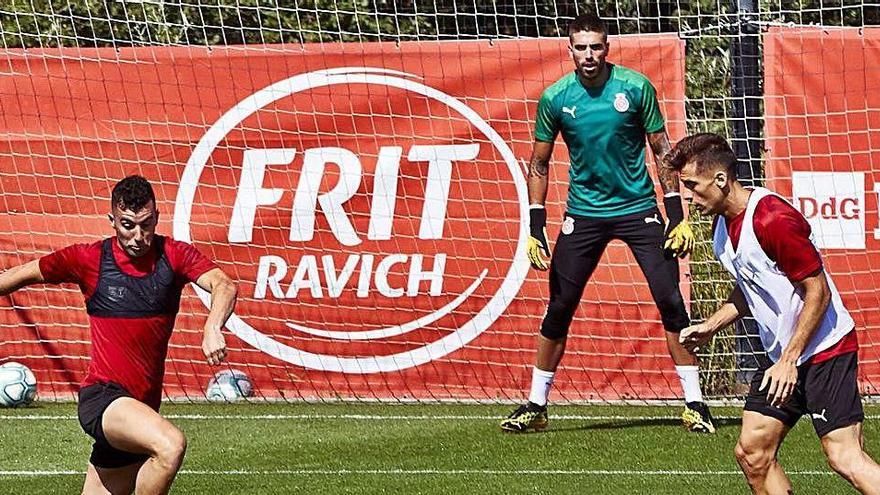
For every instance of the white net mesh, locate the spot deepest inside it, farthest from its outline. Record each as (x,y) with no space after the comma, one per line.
(317,152)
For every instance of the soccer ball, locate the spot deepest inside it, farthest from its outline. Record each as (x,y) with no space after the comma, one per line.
(229,386)
(18,385)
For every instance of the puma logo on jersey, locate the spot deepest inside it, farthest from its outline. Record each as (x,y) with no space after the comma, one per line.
(820,416)
(654,218)
(569,111)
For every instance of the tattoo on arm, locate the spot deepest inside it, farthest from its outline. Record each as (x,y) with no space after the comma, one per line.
(538,167)
(661,148)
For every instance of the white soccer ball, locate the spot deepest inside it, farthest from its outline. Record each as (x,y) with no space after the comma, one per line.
(18,385)
(229,386)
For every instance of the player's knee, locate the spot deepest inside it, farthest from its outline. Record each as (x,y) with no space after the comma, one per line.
(672,312)
(553,332)
(558,318)
(670,301)
(844,461)
(170,448)
(754,460)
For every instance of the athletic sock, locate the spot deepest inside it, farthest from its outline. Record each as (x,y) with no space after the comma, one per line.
(690,382)
(541,383)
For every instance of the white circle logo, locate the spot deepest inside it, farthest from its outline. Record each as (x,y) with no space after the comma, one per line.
(568,225)
(418,350)
(621,103)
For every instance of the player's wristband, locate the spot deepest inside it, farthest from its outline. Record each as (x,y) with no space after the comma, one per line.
(674,210)
(537,221)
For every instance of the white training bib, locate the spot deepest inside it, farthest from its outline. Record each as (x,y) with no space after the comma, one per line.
(775,302)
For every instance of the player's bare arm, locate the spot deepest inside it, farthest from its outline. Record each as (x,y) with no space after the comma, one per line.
(680,238)
(659,142)
(698,335)
(20,276)
(538,248)
(781,378)
(223,295)
(539,169)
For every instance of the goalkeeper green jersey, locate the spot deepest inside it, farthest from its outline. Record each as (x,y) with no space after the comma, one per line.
(604,129)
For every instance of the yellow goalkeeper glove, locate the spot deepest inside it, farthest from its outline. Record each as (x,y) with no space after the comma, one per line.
(679,236)
(537,249)
(680,240)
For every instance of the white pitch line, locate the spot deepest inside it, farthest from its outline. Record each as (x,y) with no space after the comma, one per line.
(367,417)
(440,472)
(376,417)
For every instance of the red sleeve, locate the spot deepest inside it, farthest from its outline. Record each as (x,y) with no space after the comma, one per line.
(784,234)
(67,265)
(186,260)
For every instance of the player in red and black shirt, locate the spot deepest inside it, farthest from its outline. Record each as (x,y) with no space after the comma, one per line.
(132,284)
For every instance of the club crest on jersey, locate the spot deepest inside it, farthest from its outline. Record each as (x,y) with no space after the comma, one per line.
(116,293)
(568,225)
(621,104)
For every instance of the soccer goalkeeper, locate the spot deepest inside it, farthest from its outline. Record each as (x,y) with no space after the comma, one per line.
(604,112)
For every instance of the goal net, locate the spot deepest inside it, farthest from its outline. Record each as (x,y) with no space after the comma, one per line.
(357,168)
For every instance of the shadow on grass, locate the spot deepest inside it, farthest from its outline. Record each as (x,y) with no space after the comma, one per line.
(635,423)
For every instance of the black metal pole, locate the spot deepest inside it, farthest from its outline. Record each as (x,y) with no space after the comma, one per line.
(746,93)
(746,125)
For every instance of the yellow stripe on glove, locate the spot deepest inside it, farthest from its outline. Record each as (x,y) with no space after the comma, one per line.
(537,252)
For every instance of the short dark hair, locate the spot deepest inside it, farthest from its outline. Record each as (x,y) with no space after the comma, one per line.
(132,193)
(706,150)
(587,22)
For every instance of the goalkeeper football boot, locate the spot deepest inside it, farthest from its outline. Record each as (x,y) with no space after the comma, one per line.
(697,418)
(528,416)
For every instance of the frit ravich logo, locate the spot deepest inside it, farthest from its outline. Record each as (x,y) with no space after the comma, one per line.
(410,287)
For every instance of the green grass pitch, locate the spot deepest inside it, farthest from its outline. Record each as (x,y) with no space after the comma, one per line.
(443,449)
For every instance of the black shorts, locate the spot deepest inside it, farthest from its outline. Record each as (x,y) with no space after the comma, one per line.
(828,392)
(579,248)
(93,401)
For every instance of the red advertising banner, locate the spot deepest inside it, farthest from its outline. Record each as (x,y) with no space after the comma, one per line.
(369,199)
(822,116)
